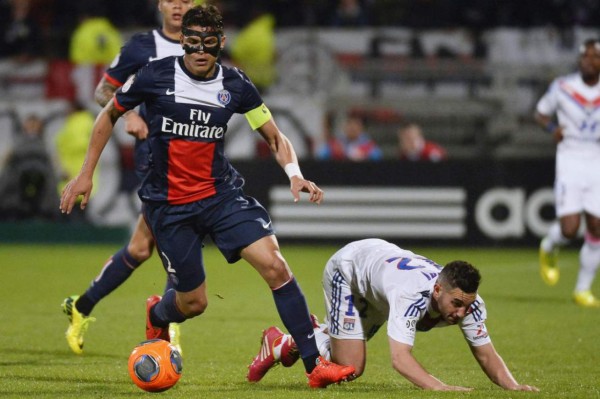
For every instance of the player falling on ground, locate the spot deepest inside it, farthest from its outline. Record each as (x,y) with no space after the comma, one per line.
(191,190)
(370,282)
(575,99)
(137,52)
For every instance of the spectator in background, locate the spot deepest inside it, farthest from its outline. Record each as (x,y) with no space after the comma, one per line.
(332,147)
(94,44)
(355,144)
(253,50)
(413,146)
(20,34)
(28,183)
(349,13)
(71,144)
(95,40)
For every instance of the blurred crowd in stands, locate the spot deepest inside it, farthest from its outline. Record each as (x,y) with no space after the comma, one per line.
(44,27)
(74,40)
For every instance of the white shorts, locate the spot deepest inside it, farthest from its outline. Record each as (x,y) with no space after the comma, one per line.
(349,316)
(577,186)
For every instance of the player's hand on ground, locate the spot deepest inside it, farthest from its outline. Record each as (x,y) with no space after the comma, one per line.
(76,187)
(135,125)
(452,388)
(528,388)
(298,184)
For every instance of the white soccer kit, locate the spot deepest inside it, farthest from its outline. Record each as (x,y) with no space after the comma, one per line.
(577,106)
(372,281)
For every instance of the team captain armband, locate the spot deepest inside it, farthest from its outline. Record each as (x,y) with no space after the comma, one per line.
(258,116)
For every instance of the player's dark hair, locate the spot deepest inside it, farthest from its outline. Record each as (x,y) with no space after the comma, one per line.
(205,15)
(460,274)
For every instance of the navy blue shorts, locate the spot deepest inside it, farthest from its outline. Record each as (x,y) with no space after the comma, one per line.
(232,220)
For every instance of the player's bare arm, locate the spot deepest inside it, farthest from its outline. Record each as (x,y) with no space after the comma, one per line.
(284,153)
(82,183)
(405,363)
(134,124)
(496,370)
(104,92)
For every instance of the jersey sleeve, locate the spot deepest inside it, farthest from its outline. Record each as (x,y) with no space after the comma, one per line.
(405,312)
(251,103)
(136,90)
(473,325)
(133,55)
(548,104)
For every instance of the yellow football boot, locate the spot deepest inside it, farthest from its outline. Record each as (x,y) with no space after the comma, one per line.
(78,324)
(175,336)
(549,266)
(586,299)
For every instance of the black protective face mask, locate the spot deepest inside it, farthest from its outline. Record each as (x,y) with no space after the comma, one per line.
(213,50)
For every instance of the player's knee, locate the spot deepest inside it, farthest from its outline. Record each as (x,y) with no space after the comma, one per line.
(194,307)
(277,273)
(358,371)
(569,232)
(141,253)
(594,229)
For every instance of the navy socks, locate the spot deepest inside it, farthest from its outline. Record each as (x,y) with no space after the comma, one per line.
(166,311)
(118,269)
(293,311)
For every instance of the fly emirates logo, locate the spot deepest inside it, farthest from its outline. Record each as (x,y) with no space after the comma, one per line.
(197,127)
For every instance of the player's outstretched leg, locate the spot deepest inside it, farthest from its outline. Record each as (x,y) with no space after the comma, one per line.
(78,324)
(549,263)
(327,373)
(589,258)
(153,332)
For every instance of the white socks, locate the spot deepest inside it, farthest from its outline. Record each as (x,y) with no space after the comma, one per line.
(589,260)
(554,238)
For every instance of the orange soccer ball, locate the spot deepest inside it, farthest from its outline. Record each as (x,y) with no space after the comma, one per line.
(155,365)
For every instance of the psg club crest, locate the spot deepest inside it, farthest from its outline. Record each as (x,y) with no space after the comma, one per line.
(224,97)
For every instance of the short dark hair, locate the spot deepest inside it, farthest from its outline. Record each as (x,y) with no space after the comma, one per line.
(205,15)
(460,274)
(589,42)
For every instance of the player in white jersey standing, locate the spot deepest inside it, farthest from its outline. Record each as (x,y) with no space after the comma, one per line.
(575,100)
(369,282)
(137,52)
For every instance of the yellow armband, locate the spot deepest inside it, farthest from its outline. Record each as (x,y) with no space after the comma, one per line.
(258,116)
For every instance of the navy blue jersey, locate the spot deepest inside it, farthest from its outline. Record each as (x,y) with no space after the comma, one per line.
(137,52)
(187,120)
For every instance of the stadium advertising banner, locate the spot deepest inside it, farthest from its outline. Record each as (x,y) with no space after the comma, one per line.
(454,202)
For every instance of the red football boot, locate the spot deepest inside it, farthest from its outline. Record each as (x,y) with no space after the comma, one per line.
(153,332)
(327,373)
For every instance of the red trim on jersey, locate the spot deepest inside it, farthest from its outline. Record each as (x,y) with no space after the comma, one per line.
(581,100)
(118,106)
(112,80)
(190,171)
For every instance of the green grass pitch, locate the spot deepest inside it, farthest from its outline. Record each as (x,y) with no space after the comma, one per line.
(544,338)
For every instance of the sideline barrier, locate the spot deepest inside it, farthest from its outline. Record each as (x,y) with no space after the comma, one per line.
(450,203)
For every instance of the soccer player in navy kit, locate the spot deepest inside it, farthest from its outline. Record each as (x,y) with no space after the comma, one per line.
(137,52)
(192,190)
